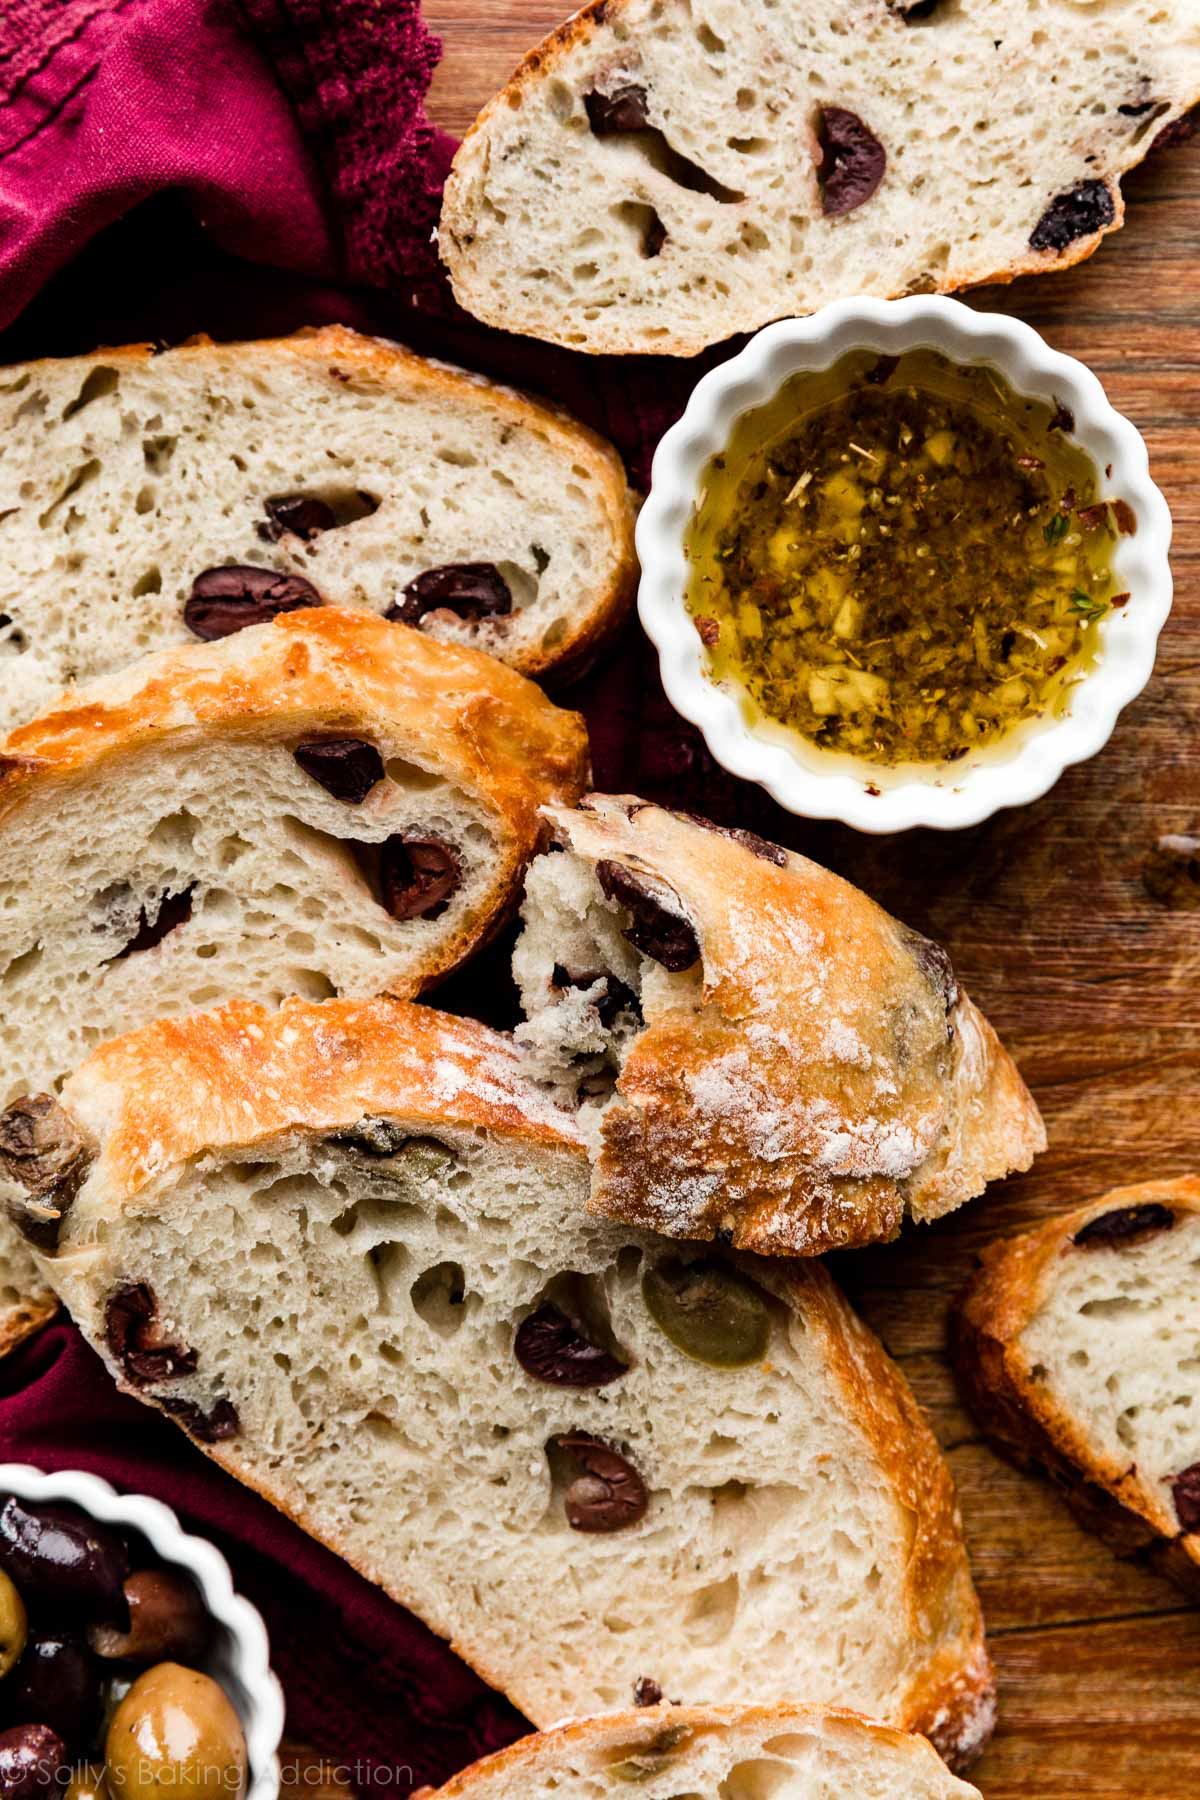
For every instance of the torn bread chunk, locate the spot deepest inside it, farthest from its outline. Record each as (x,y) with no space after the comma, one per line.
(346,1246)
(1078,1346)
(328,468)
(718,163)
(758,1051)
(715,1753)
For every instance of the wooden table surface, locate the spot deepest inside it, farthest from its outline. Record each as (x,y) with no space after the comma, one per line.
(1094,985)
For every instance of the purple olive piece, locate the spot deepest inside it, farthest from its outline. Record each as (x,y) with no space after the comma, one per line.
(852,163)
(62,1561)
(553,1348)
(34,1764)
(608,1493)
(57,1682)
(167,1621)
(471,590)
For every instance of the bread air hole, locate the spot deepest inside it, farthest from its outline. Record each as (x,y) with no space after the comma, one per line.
(99,382)
(439,1296)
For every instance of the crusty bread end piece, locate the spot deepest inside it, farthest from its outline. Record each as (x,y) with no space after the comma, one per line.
(1078,1346)
(760,1052)
(660,174)
(341,1244)
(340,459)
(715,1753)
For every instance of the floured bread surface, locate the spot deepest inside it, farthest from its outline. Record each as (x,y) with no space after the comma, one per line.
(1080,1344)
(165,846)
(759,1052)
(660,174)
(716,1753)
(362,1269)
(341,459)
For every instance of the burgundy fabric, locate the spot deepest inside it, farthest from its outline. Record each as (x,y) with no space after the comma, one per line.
(245,167)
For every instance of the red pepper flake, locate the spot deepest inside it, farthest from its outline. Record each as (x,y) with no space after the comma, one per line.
(1094,518)
(1064,418)
(1126,517)
(873,790)
(709,629)
(1119,600)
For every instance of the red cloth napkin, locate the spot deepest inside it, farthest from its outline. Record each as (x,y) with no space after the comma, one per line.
(294,133)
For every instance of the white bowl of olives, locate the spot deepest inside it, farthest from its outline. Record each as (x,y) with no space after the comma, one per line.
(903,563)
(129,1667)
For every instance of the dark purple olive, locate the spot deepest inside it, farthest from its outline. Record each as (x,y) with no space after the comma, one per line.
(62,1561)
(167,1621)
(33,1763)
(555,1349)
(57,1682)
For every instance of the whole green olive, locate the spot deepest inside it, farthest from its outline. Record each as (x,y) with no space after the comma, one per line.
(13,1623)
(709,1311)
(175,1733)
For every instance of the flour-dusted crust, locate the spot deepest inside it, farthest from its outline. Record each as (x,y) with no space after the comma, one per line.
(126,474)
(711,221)
(1054,1399)
(154,1099)
(808,1752)
(816,1076)
(822,1444)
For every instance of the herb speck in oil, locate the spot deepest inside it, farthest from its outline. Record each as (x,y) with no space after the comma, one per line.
(902,559)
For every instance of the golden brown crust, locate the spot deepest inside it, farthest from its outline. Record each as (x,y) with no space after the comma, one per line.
(325,669)
(1023,1420)
(952,1700)
(639,1728)
(242,1074)
(827,1082)
(542,61)
(352,357)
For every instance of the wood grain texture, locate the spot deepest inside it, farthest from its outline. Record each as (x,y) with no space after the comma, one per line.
(1095,987)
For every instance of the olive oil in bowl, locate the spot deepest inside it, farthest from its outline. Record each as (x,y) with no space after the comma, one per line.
(902,560)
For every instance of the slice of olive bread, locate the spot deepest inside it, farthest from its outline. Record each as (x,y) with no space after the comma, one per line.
(346,1247)
(759,1051)
(323,804)
(1078,1345)
(717,163)
(325,467)
(715,1753)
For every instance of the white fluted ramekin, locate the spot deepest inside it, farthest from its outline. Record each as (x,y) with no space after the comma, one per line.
(811,783)
(240,1657)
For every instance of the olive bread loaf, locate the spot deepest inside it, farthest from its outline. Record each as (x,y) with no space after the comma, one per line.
(760,1053)
(715,1753)
(149,500)
(1078,1345)
(346,1247)
(717,163)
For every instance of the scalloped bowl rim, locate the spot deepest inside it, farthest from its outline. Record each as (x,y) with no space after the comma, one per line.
(946,801)
(262,1706)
